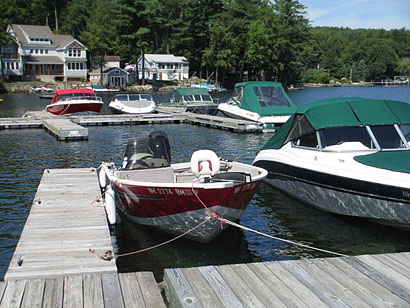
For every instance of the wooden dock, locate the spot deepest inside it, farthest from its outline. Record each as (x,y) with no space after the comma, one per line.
(363,281)
(62,226)
(100,290)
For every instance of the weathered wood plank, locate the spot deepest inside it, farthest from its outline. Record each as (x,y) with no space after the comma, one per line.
(239,287)
(380,278)
(363,286)
(220,287)
(13,294)
(53,293)
(131,291)
(300,290)
(112,290)
(400,260)
(92,290)
(201,287)
(253,282)
(178,290)
(321,291)
(333,284)
(2,288)
(385,269)
(73,292)
(33,294)
(281,290)
(150,290)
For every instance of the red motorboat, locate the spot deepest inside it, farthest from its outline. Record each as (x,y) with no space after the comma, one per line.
(74,101)
(178,198)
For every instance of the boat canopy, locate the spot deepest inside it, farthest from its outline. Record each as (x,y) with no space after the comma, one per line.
(74,91)
(339,112)
(265,98)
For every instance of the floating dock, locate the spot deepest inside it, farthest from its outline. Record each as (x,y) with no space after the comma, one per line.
(73,127)
(63,224)
(52,266)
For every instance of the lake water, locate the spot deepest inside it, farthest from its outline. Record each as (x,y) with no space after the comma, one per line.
(24,154)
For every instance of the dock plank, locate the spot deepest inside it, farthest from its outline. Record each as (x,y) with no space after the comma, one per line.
(33,294)
(150,290)
(112,290)
(131,291)
(53,293)
(334,284)
(13,294)
(63,248)
(220,287)
(92,288)
(380,278)
(73,292)
(179,291)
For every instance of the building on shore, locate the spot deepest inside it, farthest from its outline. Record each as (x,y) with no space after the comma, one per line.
(36,53)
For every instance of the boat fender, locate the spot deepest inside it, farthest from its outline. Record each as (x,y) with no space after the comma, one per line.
(205,162)
(102,178)
(110,205)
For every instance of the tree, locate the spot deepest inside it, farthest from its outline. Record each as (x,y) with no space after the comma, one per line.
(404,66)
(100,35)
(74,18)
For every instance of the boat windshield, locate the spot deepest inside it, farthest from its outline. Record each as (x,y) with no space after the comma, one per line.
(384,137)
(121,97)
(133,97)
(146,97)
(206,98)
(271,96)
(144,153)
(76,96)
(187,98)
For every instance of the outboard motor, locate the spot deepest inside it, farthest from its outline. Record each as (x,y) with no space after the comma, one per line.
(158,144)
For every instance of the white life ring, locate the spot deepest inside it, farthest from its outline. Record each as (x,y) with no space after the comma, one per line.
(205,162)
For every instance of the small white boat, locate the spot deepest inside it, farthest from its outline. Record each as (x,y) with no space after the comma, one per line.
(132,104)
(178,198)
(349,156)
(259,101)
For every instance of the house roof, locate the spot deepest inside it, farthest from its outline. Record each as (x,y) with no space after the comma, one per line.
(23,32)
(106,70)
(42,60)
(112,58)
(162,58)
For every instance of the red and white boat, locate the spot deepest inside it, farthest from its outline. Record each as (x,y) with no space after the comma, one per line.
(73,101)
(178,198)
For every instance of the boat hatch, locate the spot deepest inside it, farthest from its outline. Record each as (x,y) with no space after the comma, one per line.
(154,152)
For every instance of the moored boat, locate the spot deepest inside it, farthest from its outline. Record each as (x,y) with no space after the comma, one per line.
(265,102)
(75,101)
(348,156)
(182,197)
(132,104)
(196,100)
(97,88)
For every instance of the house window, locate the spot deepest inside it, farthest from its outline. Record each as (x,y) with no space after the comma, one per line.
(46,51)
(8,65)
(70,52)
(41,51)
(81,66)
(78,52)
(17,65)
(77,66)
(31,50)
(69,65)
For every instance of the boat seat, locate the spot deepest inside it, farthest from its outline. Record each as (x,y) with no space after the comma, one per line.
(205,163)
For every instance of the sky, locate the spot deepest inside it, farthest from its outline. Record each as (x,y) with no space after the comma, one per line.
(354,14)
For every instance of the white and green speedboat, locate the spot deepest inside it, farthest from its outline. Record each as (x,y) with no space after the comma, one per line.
(348,156)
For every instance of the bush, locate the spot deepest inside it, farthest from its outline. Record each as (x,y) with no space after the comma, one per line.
(2,87)
(315,76)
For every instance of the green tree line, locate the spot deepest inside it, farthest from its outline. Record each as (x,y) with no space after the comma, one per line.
(231,39)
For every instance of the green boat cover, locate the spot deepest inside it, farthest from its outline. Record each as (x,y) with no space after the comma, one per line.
(391,160)
(339,112)
(191,91)
(265,98)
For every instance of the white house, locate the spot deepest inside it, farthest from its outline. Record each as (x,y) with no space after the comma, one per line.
(164,67)
(38,54)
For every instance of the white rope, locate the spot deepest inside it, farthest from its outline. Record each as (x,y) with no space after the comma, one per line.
(281,239)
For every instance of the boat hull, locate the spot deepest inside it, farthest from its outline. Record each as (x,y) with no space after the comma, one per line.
(383,204)
(75,107)
(176,210)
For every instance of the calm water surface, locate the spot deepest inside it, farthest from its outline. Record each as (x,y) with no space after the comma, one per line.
(24,154)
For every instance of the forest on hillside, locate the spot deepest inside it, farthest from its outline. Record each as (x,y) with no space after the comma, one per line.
(267,40)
